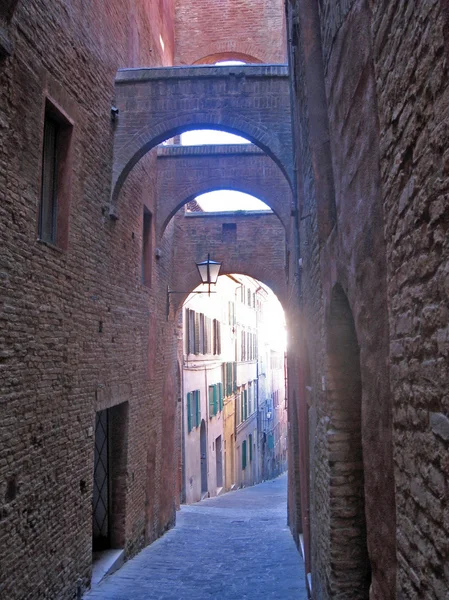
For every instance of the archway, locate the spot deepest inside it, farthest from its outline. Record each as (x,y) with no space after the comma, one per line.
(349,559)
(213,59)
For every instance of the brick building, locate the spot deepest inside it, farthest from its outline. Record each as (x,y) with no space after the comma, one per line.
(356,251)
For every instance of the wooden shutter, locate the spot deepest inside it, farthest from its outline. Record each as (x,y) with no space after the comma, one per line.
(218,337)
(244,455)
(211,402)
(250,443)
(189,412)
(201,345)
(234,377)
(220,395)
(196,344)
(197,407)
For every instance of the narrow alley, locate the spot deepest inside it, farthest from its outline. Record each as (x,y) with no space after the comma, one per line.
(232,546)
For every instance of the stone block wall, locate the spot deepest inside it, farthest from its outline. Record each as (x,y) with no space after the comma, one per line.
(410,42)
(387,252)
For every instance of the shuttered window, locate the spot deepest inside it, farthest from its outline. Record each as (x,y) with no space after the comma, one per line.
(197,334)
(244,455)
(220,396)
(189,412)
(193,410)
(197,407)
(250,443)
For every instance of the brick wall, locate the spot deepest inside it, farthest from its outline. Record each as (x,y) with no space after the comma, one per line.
(75,324)
(247,31)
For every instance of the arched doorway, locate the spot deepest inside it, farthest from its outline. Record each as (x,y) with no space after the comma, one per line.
(203,457)
(349,559)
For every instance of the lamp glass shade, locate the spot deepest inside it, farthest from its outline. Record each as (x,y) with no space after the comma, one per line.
(209,270)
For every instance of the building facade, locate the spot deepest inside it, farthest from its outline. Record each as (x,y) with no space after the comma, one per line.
(222,358)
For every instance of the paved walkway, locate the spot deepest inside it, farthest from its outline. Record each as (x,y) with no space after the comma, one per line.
(233,547)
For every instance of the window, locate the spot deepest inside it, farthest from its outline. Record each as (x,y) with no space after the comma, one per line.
(244,455)
(55,179)
(213,401)
(146,247)
(193,410)
(191,343)
(250,443)
(217,336)
(230,378)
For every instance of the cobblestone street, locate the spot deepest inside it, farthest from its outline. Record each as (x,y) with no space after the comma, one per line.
(236,546)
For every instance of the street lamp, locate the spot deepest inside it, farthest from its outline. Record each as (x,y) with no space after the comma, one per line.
(209,271)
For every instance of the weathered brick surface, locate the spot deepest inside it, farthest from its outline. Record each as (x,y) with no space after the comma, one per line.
(75,325)
(410,45)
(388,253)
(188,171)
(352,255)
(157,104)
(230,29)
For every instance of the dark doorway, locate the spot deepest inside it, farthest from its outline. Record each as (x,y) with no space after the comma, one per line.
(203,454)
(101,491)
(109,485)
(347,509)
(219,461)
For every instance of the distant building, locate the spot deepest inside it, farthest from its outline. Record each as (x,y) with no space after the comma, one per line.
(222,434)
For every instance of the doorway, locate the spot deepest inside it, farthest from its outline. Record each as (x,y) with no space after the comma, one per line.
(109,478)
(219,462)
(203,454)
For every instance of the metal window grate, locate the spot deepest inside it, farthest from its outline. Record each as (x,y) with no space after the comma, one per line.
(101,482)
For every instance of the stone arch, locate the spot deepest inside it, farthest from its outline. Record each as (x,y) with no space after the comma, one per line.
(349,559)
(211,59)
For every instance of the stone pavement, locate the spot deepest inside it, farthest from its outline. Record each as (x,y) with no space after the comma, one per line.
(236,546)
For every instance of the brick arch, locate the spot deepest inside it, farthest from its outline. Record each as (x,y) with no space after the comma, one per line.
(185,172)
(258,249)
(157,104)
(211,59)
(192,282)
(348,529)
(148,138)
(228,185)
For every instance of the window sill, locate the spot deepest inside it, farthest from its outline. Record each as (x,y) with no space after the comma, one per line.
(50,245)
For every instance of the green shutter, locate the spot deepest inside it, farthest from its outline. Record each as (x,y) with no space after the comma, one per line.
(245,404)
(250,441)
(215,399)
(211,401)
(220,395)
(234,377)
(189,412)
(197,407)
(244,454)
